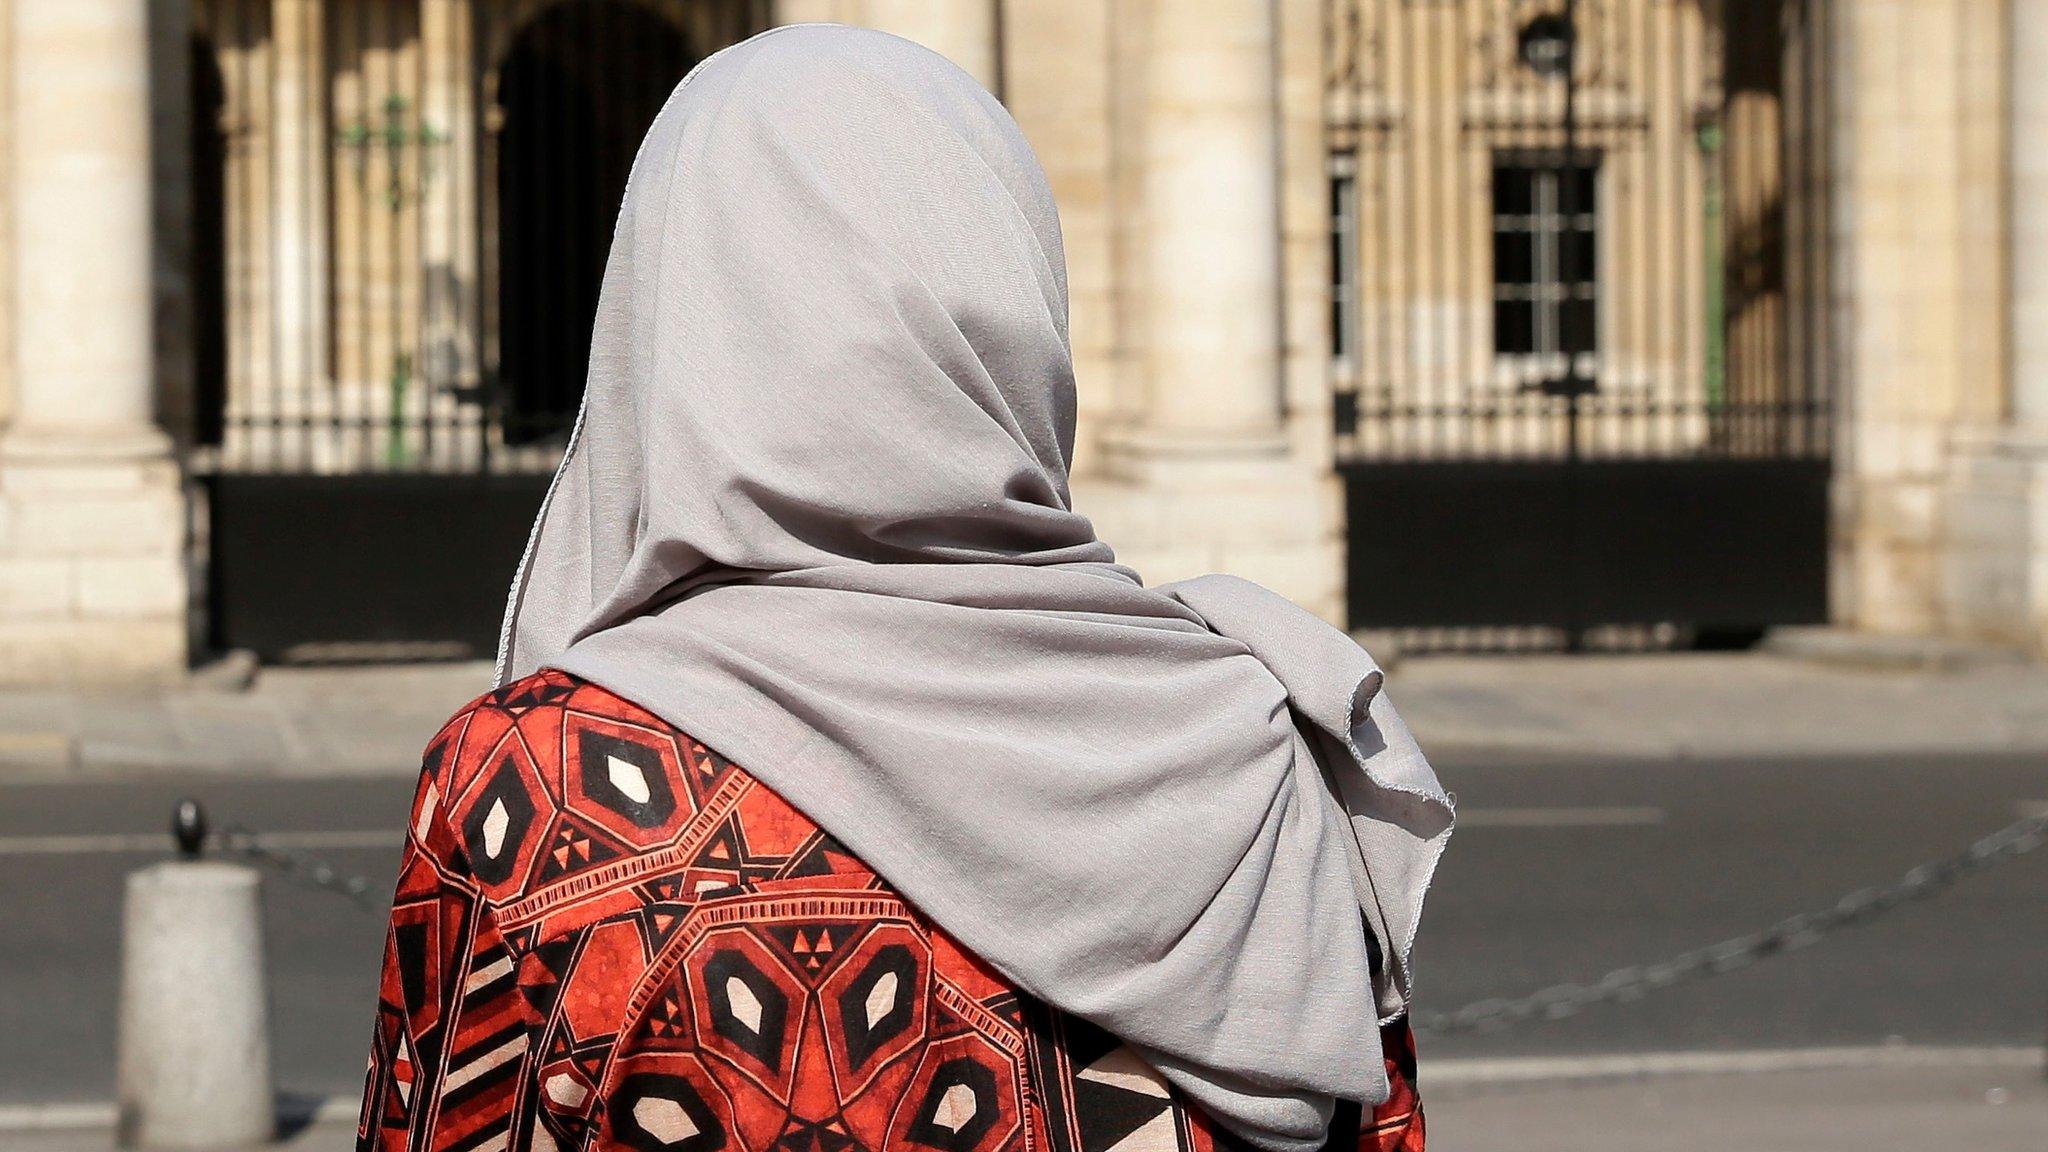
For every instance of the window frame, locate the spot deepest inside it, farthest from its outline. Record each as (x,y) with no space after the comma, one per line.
(1545,228)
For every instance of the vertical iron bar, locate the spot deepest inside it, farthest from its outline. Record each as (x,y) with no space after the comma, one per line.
(1568,275)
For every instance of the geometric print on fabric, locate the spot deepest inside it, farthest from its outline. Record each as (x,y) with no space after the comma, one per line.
(607,936)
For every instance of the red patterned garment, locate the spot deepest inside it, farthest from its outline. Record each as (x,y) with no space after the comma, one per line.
(606,935)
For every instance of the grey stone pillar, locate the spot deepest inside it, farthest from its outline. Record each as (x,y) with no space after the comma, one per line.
(82,227)
(448,215)
(2027,153)
(194,1059)
(1207,477)
(963,31)
(298,208)
(1212,225)
(92,570)
(1993,575)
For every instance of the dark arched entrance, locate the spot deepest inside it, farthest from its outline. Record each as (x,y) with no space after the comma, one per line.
(578,89)
(209,247)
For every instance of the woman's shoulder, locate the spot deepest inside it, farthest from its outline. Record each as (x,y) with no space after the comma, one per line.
(556,690)
(524,721)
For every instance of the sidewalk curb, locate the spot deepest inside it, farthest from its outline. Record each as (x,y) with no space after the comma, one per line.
(1848,648)
(1457,1073)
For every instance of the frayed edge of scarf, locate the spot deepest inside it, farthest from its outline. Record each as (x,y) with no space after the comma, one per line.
(1368,689)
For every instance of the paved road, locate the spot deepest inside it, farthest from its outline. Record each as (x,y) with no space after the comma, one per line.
(1741,844)
(1980,1109)
(1564,870)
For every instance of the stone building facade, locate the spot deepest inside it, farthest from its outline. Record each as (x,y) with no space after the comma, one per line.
(300,236)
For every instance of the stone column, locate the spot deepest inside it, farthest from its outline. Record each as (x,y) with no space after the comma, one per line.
(2027,196)
(92,520)
(1212,230)
(298,214)
(1059,83)
(6,211)
(448,218)
(1916,109)
(1208,477)
(963,31)
(1993,529)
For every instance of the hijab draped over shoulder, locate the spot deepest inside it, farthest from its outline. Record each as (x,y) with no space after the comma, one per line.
(815,512)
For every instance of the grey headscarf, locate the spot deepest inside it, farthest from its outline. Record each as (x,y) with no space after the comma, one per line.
(816,513)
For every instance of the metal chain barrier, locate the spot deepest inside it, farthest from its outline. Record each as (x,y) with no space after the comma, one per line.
(1787,935)
(1553,1003)
(191,835)
(297,867)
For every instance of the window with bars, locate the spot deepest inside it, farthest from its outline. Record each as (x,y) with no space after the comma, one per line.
(1344,250)
(1545,265)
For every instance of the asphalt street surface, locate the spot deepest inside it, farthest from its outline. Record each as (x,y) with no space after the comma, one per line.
(1564,870)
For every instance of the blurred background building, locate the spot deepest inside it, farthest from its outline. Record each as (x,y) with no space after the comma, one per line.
(1433,314)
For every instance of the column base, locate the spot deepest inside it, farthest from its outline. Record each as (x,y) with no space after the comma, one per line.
(92,652)
(1174,508)
(1994,557)
(1886,523)
(93,572)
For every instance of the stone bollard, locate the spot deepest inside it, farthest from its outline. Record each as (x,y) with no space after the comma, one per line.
(194,1050)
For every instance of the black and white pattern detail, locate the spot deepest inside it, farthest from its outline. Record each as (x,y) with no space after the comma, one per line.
(747,1008)
(656,1112)
(627,778)
(876,1007)
(959,1108)
(1125,1105)
(498,822)
(1103,1097)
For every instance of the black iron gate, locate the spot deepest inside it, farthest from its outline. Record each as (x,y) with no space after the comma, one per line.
(397,296)
(1580,373)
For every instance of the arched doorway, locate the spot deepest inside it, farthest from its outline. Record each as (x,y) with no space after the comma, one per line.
(578,89)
